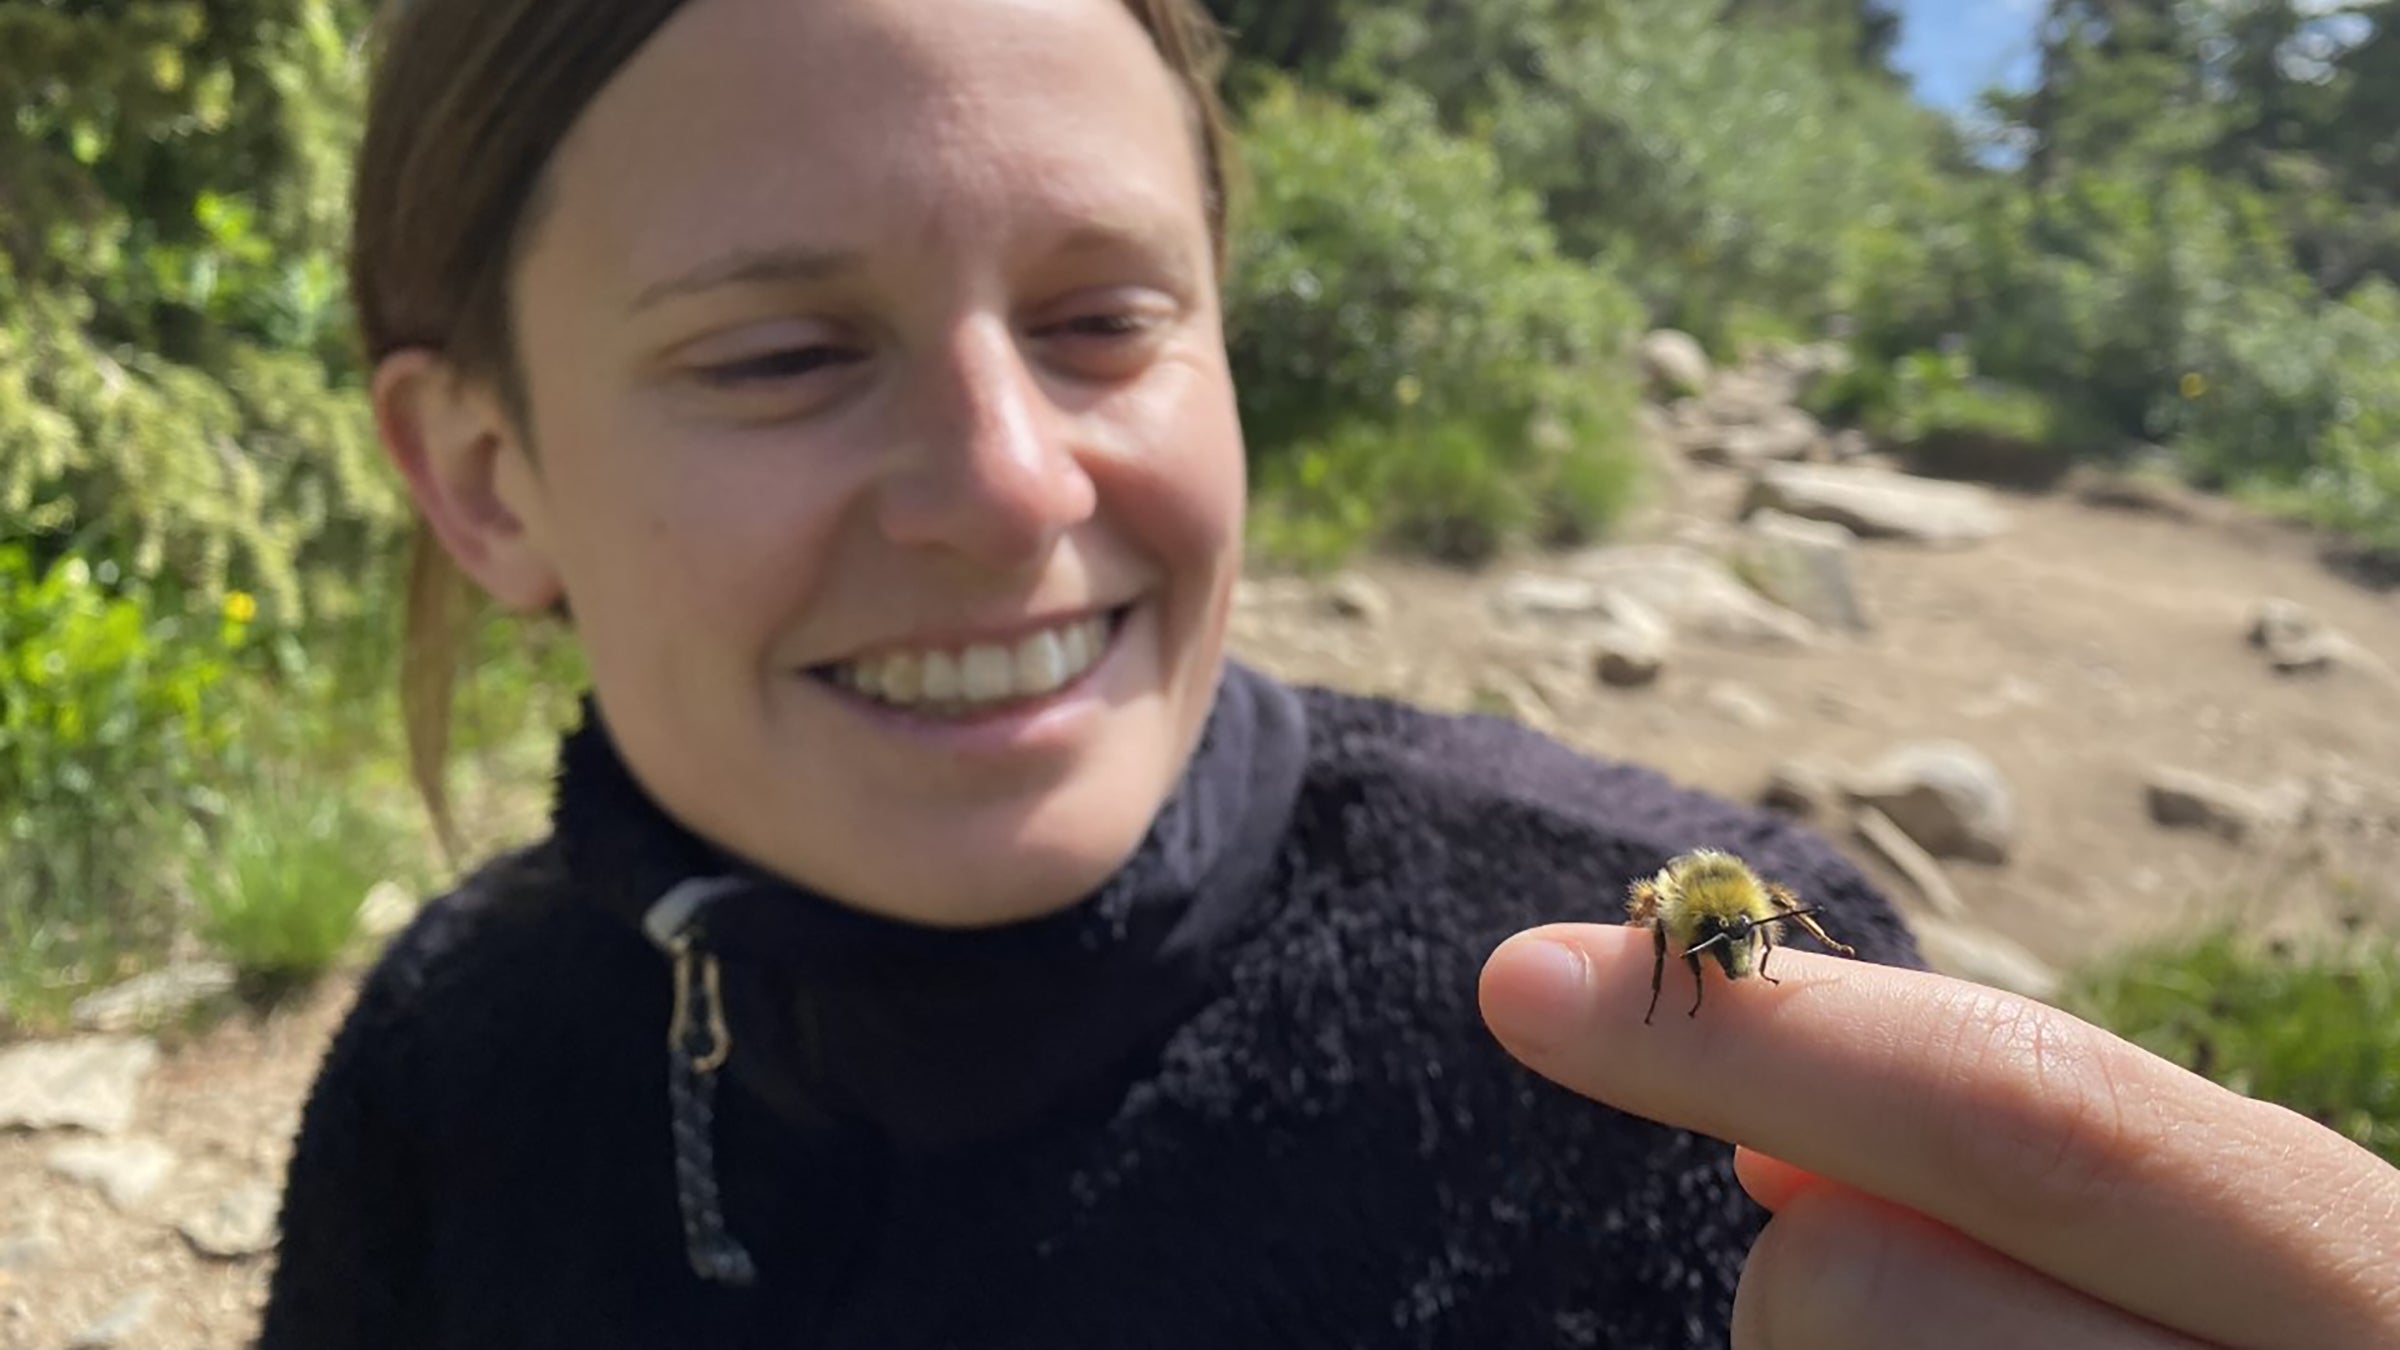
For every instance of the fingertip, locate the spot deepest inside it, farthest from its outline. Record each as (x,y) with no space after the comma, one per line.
(1771,1181)
(1536,990)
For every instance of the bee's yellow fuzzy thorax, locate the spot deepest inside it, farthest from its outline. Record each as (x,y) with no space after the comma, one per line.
(1719,885)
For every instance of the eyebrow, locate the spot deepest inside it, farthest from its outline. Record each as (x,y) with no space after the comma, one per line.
(1153,238)
(750,266)
(791,263)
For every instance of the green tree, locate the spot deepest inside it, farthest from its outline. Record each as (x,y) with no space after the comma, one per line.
(177,390)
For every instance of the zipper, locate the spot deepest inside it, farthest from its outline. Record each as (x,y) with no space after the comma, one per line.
(699,1041)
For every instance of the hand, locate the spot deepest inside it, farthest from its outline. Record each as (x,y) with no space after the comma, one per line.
(1952,1166)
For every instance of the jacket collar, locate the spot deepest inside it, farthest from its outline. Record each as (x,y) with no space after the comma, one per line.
(941,1037)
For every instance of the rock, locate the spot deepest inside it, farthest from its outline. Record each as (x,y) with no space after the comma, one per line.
(387,909)
(118,1323)
(1747,397)
(1740,706)
(1507,694)
(1810,361)
(2140,490)
(2315,656)
(1977,954)
(1910,861)
(2182,799)
(1783,434)
(151,1000)
(126,1171)
(1352,596)
(1695,594)
(1632,647)
(1674,365)
(1801,788)
(1879,504)
(2296,642)
(1804,566)
(91,1083)
(1779,434)
(1533,595)
(1944,795)
(1849,444)
(240,1223)
(2277,621)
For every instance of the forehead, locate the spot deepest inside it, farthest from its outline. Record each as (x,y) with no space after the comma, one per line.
(861,123)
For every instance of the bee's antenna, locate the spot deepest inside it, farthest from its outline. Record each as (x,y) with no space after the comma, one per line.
(1712,941)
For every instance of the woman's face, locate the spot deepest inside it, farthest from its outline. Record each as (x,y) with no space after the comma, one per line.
(883,441)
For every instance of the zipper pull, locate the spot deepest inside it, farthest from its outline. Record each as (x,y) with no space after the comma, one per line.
(698,1044)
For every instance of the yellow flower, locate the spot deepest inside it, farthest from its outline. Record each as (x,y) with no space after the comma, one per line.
(240,607)
(2194,384)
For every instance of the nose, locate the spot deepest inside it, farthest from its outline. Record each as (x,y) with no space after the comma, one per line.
(989,472)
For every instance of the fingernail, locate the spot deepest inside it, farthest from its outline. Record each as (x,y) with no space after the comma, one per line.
(1538,992)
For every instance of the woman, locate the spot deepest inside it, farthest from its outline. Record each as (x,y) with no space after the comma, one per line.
(941,943)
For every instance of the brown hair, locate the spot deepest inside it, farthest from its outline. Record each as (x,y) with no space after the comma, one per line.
(470,101)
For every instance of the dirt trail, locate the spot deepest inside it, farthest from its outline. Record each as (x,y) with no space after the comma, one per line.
(2078,651)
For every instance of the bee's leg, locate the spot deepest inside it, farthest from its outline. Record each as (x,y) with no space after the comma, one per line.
(1658,968)
(1698,984)
(1801,914)
(1766,948)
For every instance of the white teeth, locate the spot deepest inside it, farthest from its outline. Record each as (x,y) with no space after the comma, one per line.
(902,678)
(1041,664)
(986,673)
(940,680)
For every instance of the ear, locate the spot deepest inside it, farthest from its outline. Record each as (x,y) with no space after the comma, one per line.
(472,474)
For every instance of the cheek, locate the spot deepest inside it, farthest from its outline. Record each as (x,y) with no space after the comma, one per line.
(1175,479)
(717,543)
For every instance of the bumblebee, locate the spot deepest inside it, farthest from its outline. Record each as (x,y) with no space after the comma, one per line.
(1710,902)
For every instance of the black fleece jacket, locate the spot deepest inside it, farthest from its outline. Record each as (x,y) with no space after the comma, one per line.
(1241,1097)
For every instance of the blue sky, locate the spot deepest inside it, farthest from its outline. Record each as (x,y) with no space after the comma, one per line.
(1954,49)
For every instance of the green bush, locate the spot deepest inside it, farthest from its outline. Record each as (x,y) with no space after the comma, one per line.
(1735,179)
(280,889)
(2316,1031)
(2164,311)
(113,710)
(1416,362)
(1947,421)
(2301,410)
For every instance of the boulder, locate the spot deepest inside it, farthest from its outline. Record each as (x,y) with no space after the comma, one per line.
(90,1083)
(1804,566)
(1674,365)
(1946,796)
(1878,504)
(1697,595)
(2183,799)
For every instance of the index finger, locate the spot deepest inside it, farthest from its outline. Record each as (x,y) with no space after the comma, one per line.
(2028,1130)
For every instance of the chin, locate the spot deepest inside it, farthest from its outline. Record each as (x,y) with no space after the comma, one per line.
(1027,882)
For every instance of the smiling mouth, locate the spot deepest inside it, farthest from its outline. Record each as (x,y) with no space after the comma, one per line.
(982,676)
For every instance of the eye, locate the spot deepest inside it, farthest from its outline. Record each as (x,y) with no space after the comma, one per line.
(1107,325)
(1107,339)
(788,363)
